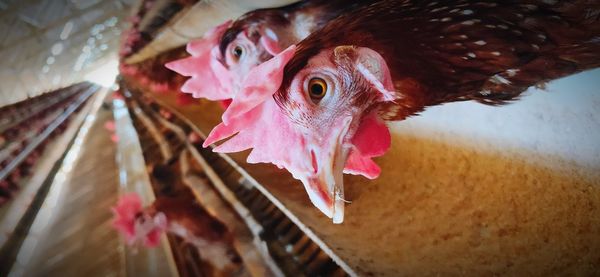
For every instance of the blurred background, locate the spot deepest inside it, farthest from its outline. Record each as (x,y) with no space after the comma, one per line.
(89,113)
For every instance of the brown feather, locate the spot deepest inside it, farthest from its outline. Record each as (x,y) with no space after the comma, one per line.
(178,203)
(186,212)
(460,50)
(283,17)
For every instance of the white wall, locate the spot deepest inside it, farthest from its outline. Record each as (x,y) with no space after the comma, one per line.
(563,121)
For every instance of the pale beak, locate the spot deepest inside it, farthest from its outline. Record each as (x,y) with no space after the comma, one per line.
(325,187)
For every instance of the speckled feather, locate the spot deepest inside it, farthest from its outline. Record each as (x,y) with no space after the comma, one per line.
(197,221)
(178,204)
(462,50)
(322,11)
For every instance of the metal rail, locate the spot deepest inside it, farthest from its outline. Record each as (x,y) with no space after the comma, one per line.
(21,138)
(23,209)
(133,178)
(46,133)
(22,116)
(249,244)
(293,250)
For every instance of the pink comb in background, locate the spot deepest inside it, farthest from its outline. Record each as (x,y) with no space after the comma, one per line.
(209,78)
(125,212)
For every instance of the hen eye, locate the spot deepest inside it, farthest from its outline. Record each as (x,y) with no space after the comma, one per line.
(317,88)
(237,52)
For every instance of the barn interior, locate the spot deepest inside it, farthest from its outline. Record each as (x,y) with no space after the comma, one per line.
(90,115)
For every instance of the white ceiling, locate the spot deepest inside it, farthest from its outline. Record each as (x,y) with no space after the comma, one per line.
(47,44)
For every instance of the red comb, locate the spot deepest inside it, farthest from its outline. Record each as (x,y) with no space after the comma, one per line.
(372,139)
(262,82)
(267,121)
(209,78)
(125,212)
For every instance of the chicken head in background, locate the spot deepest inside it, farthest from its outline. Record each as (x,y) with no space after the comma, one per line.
(208,77)
(178,216)
(138,225)
(321,104)
(222,59)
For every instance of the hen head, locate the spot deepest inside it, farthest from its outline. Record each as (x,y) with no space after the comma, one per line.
(138,225)
(243,47)
(317,117)
(221,60)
